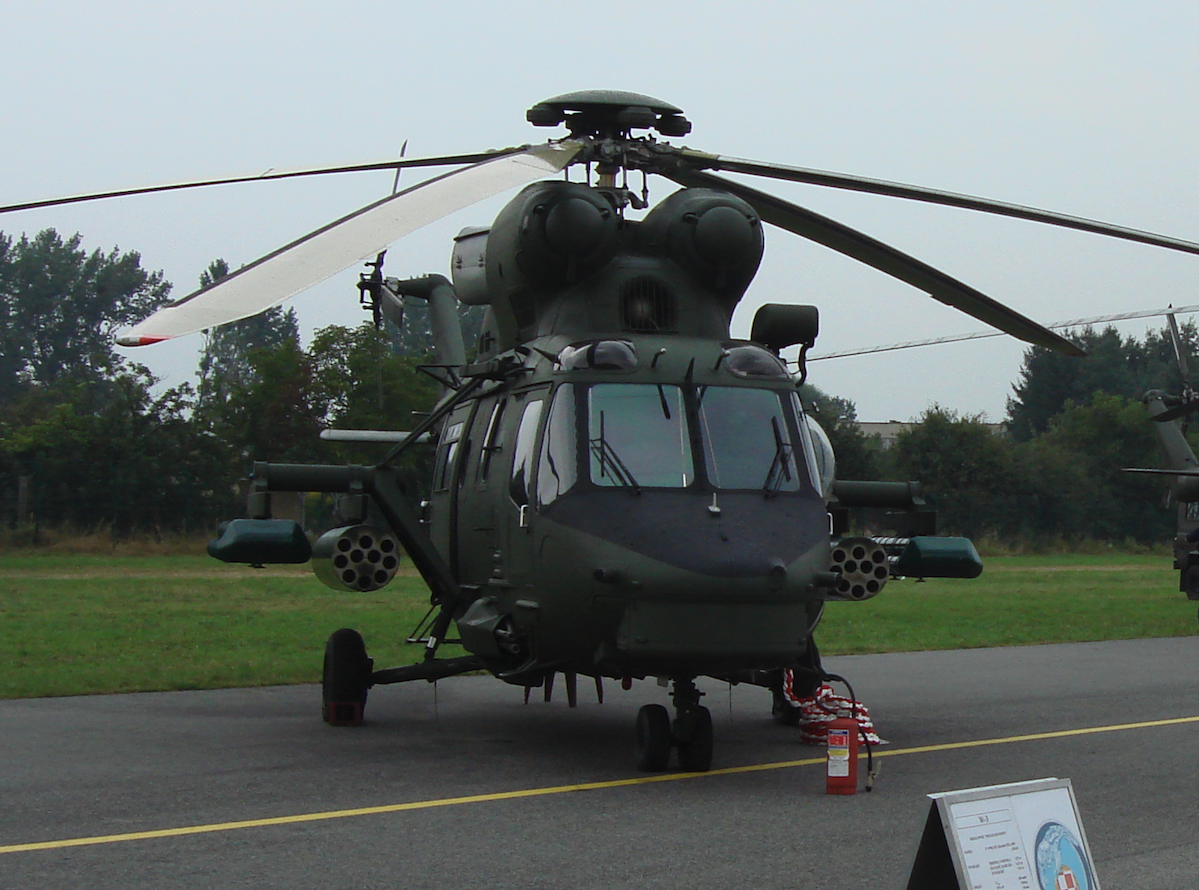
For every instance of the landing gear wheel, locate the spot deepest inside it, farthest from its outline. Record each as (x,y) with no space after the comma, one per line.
(782,711)
(345,679)
(695,750)
(1190,581)
(653,738)
(806,678)
(696,753)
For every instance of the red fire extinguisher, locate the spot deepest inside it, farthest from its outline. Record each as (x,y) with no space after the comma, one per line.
(841,766)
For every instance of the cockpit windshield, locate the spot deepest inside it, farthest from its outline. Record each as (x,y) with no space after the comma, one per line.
(637,435)
(747,442)
(645,435)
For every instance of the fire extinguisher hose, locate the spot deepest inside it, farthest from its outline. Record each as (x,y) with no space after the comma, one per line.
(853,712)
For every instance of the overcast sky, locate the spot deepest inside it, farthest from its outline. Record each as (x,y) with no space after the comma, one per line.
(1086,108)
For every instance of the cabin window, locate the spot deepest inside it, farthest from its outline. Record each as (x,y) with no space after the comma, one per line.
(491,440)
(447,450)
(558,470)
(522,454)
(637,436)
(747,440)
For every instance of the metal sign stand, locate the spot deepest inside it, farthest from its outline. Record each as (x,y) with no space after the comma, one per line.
(1025,835)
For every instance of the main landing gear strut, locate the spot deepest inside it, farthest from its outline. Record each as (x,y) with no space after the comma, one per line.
(691,731)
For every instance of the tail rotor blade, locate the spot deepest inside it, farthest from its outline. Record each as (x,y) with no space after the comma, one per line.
(339,245)
(395,186)
(1180,353)
(885,258)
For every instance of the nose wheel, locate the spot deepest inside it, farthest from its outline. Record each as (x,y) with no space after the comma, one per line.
(654,738)
(690,732)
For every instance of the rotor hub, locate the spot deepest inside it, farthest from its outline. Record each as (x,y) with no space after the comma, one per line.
(609,113)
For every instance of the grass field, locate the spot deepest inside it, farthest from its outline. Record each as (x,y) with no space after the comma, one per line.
(79,624)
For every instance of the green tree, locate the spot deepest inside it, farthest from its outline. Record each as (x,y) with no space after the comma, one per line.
(964,465)
(225,362)
(363,384)
(1105,434)
(1118,365)
(1159,368)
(857,454)
(61,306)
(415,339)
(130,462)
(1049,379)
(1054,494)
(275,413)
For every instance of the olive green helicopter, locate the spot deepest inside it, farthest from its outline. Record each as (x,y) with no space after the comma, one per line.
(1170,413)
(621,489)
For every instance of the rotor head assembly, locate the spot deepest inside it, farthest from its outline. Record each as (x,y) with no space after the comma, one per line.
(608,113)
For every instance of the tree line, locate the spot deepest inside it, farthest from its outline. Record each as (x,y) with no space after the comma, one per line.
(89,442)
(1053,471)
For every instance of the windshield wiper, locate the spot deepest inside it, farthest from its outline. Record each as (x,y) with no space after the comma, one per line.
(662,399)
(607,456)
(782,460)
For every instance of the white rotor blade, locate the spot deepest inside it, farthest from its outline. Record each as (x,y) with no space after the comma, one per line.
(310,260)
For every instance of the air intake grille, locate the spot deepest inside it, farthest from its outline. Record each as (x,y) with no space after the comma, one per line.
(647,307)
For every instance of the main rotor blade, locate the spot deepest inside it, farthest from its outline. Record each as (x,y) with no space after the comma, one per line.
(1160,472)
(982,335)
(895,263)
(391,164)
(1187,407)
(337,246)
(934,196)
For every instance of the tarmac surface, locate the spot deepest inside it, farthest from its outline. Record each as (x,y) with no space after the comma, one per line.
(473,788)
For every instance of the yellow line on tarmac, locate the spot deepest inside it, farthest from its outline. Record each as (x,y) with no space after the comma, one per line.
(558,789)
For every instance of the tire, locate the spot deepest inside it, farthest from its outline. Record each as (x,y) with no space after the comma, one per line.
(345,678)
(1190,581)
(653,738)
(783,712)
(695,754)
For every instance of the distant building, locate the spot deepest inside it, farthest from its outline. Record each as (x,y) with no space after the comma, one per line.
(888,430)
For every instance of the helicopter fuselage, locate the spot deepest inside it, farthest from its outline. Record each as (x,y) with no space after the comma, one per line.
(650,509)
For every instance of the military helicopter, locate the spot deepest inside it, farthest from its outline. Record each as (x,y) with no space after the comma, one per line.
(1170,413)
(621,489)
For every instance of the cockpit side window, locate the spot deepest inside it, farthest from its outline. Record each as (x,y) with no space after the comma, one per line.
(447,450)
(637,436)
(818,451)
(523,453)
(558,470)
(747,439)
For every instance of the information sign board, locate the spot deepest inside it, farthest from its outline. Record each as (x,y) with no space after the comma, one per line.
(1021,836)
